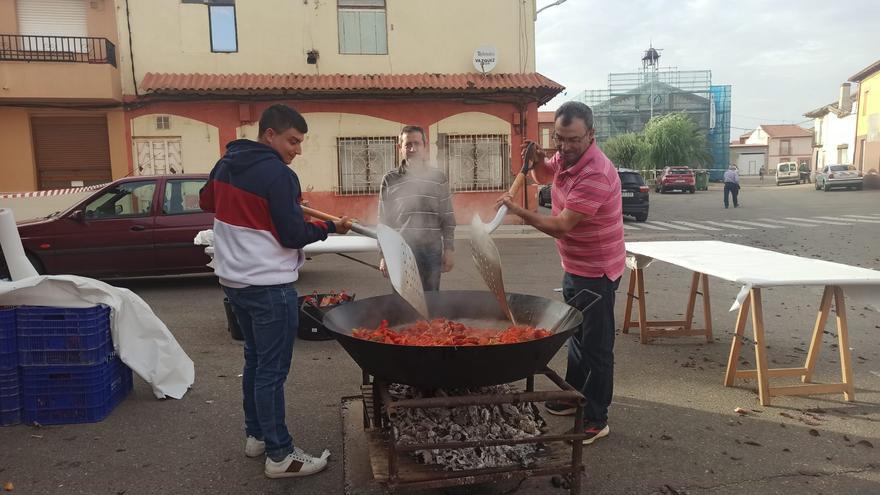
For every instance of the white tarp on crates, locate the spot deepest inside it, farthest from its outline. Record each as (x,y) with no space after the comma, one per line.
(141,339)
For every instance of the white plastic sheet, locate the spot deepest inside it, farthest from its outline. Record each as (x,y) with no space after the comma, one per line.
(10,244)
(345,244)
(140,338)
(753,267)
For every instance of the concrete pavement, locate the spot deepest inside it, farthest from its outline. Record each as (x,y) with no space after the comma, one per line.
(673,425)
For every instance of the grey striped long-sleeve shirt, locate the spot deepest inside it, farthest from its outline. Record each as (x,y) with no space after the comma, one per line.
(416,202)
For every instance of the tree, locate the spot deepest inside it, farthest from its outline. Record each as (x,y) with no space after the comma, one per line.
(675,139)
(626,150)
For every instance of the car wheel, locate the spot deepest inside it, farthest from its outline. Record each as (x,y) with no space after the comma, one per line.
(692,190)
(641,217)
(825,187)
(662,190)
(656,189)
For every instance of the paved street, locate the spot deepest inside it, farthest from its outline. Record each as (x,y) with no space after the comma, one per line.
(673,426)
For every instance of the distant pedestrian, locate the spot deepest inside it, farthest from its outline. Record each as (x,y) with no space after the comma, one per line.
(731,186)
(761,173)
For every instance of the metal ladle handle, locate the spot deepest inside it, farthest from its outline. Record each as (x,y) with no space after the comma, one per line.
(514,188)
(355,226)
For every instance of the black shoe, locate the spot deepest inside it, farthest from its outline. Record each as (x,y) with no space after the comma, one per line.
(560,407)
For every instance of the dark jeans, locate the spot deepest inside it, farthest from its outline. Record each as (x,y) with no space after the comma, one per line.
(430,261)
(731,188)
(268,317)
(591,348)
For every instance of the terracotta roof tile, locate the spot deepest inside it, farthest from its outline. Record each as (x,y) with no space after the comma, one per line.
(358,83)
(786,131)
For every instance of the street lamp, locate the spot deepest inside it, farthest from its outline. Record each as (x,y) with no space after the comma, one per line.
(542,9)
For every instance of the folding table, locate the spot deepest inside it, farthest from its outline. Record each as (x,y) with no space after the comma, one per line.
(754,269)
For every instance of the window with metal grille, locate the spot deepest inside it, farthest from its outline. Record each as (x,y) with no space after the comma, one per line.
(363,162)
(163,122)
(476,162)
(362,27)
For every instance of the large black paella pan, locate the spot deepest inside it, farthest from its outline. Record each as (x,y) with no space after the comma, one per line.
(450,367)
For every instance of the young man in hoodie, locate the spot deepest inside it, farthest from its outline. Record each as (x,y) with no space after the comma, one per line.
(259,233)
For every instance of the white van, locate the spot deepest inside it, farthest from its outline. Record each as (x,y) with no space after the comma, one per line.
(787,172)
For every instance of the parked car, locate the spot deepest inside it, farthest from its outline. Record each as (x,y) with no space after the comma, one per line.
(544,196)
(633,191)
(787,172)
(676,178)
(136,226)
(832,176)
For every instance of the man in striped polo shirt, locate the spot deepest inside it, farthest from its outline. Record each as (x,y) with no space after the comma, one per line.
(414,199)
(587,223)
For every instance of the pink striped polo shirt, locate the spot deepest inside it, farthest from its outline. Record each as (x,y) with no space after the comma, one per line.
(594,247)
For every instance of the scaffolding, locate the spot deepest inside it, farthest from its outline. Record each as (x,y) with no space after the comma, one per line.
(633,98)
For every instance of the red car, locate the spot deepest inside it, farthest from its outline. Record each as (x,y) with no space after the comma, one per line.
(136,226)
(672,178)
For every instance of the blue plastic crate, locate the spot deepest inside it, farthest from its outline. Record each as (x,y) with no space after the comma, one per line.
(73,394)
(8,348)
(61,336)
(10,400)
(11,417)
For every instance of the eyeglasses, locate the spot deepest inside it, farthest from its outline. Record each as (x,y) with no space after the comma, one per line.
(570,140)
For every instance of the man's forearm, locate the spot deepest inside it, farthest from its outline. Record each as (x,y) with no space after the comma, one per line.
(553,226)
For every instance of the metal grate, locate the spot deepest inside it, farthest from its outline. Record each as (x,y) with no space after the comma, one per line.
(476,162)
(57,49)
(363,162)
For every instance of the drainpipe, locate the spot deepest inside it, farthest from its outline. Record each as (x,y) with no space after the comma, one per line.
(131,48)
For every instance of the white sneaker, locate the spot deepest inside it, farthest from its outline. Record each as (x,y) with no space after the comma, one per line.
(297,463)
(254,447)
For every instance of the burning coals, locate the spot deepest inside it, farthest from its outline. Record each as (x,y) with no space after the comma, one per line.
(468,423)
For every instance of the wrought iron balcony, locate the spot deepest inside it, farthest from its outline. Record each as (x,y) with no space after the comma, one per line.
(33,48)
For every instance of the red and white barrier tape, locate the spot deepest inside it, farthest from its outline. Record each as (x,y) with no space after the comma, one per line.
(51,192)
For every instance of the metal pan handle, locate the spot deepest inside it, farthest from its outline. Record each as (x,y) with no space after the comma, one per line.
(571,302)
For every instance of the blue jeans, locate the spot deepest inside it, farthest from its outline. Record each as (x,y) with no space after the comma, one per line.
(430,261)
(591,348)
(268,317)
(731,188)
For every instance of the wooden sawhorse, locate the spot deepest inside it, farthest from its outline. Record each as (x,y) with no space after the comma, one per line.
(667,328)
(763,374)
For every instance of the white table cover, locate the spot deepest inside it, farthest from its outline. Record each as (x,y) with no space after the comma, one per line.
(140,338)
(755,268)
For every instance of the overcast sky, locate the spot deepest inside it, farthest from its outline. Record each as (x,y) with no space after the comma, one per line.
(781,57)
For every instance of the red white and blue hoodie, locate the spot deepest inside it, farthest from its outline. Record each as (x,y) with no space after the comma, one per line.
(259,229)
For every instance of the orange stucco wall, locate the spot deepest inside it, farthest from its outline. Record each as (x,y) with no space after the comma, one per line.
(17,162)
(227,116)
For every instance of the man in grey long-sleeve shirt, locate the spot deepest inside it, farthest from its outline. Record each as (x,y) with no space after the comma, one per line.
(414,199)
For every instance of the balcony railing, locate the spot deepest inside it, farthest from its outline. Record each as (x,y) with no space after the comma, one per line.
(57,49)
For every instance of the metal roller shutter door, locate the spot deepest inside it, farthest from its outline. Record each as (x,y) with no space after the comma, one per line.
(52,17)
(71,149)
